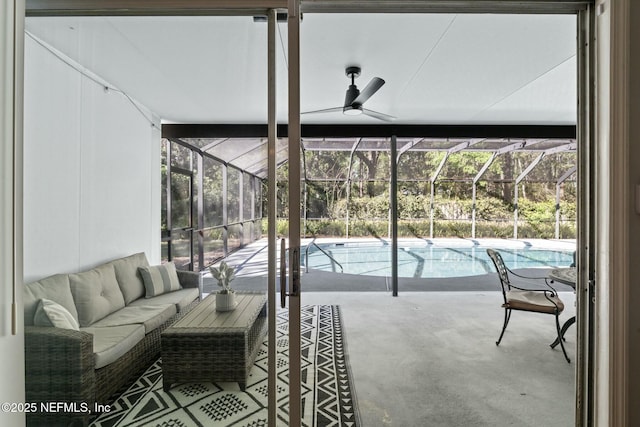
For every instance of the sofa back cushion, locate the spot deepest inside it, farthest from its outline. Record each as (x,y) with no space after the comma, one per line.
(128,276)
(96,293)
(55,288)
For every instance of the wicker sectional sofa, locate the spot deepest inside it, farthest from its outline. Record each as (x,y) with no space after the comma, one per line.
(117,336)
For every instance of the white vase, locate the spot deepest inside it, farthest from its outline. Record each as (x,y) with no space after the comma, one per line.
(226,302)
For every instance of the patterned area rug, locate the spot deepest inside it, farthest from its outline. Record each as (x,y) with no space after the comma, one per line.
(328,397)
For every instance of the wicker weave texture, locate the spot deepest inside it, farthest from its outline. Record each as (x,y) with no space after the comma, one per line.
(133,363)
(60,367)
(211,351)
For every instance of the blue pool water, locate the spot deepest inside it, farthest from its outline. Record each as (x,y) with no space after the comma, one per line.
(429,261)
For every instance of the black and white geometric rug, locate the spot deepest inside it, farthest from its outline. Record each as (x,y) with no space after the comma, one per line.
(328,396)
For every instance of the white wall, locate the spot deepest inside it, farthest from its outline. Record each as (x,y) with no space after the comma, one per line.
(91,174)
(11,346)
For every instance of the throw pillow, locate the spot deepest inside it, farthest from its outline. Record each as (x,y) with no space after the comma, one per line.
(50,313)
(55,288)
(159,279)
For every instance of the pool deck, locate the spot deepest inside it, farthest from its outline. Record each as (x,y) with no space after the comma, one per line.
(251,265)
(409,355)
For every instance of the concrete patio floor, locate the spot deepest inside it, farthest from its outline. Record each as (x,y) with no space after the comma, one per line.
(428,357)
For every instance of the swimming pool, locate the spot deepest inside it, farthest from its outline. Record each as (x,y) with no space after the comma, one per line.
(433,258)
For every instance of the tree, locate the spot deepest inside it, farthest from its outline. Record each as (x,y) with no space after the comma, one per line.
(368,159)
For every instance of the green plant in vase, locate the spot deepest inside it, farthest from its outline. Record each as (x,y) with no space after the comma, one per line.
(226,297)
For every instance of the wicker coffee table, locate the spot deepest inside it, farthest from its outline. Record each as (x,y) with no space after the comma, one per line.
(207,345)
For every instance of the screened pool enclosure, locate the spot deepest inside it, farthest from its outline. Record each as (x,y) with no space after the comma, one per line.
(214,188)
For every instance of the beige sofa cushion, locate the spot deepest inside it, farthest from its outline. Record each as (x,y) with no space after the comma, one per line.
(96,293)
(180,299)
(150,316)
(52,314)
(55,288)
(111,343)
(128,276)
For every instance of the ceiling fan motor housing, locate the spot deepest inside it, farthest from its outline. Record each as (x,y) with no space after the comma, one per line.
(351,94)
(350,108)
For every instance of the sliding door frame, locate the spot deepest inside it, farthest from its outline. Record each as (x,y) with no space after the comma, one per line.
(610,392)
(612,216)
(218,8)
(295,365)
(11,206)
(585,392)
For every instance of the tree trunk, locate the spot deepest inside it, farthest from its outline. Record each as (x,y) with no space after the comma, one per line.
(370,159)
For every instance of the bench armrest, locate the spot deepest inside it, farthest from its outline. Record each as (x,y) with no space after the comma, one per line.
(59,365)
(190,279)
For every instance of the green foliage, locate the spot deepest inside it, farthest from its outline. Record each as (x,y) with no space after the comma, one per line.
(368,207)
(368,216)
(368,204)
(364,228)
(537,212)
(282,227)
(214,234)
(441,228)
(326,227)
(413,206)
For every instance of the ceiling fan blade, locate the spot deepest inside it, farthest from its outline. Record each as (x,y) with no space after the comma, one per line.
(374,85)
(326,110)
(377,115)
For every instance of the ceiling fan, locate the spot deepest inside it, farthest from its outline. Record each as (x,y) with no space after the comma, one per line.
(354,98)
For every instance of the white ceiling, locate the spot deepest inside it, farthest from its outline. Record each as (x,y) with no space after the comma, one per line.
(439,68)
